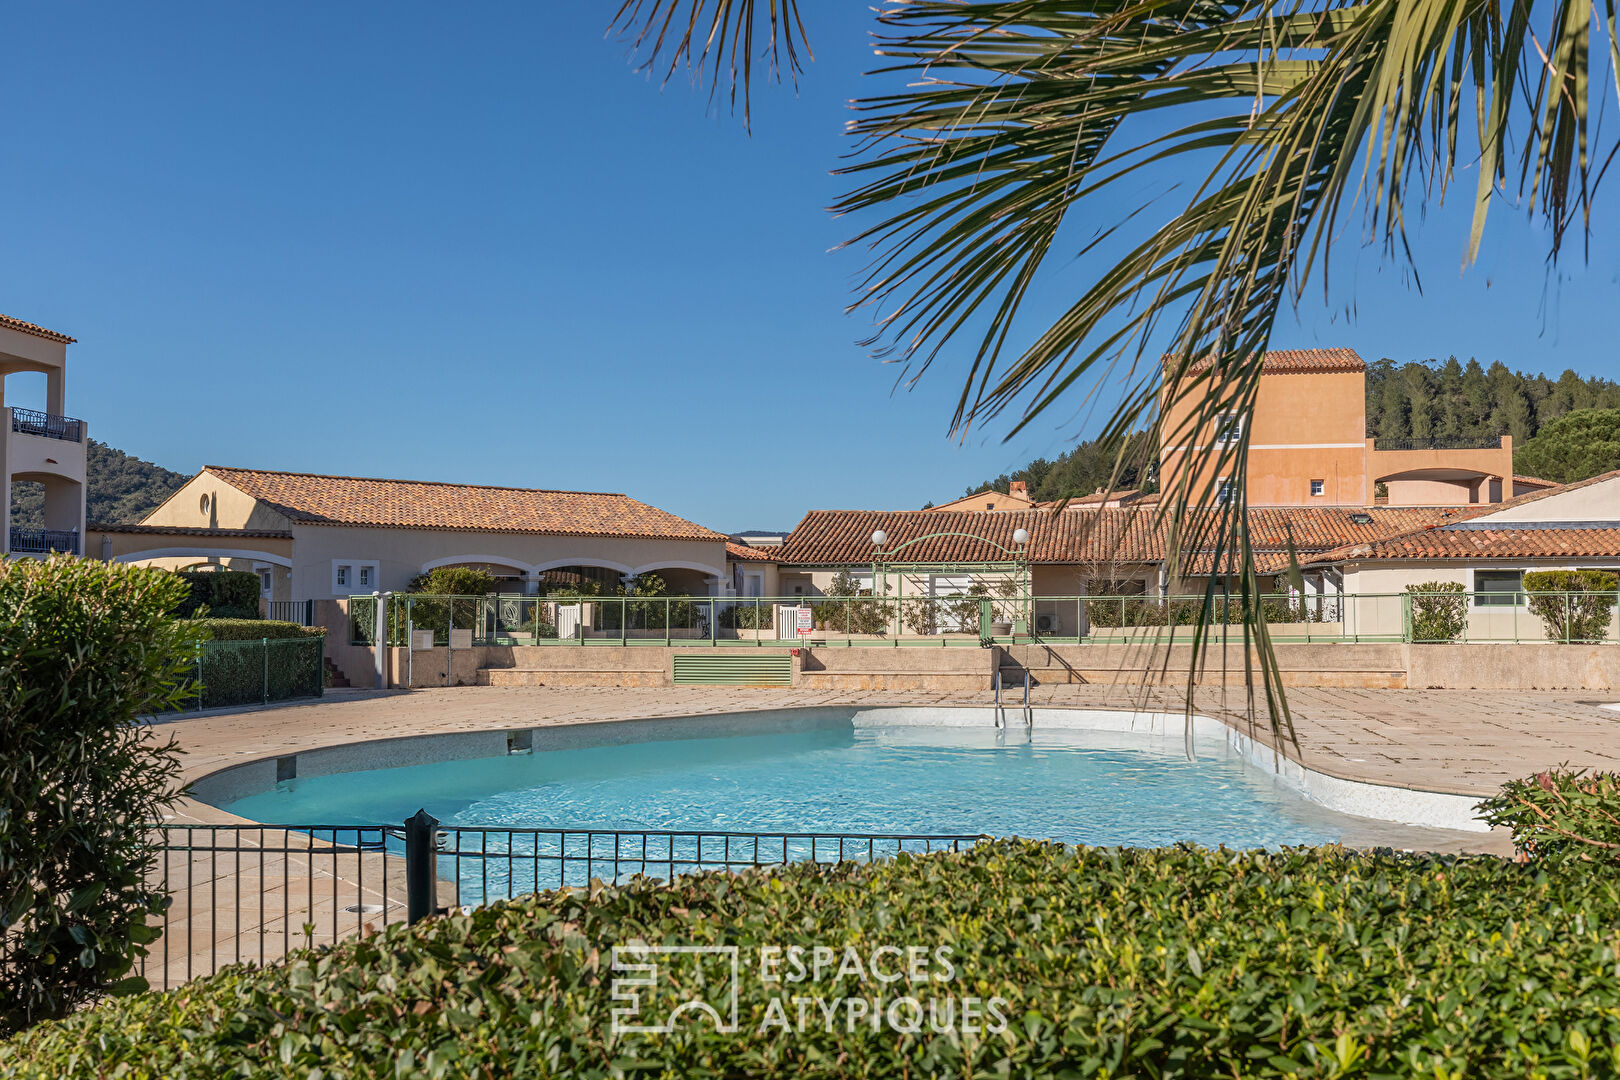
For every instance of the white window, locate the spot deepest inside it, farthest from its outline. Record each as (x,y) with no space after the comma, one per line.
(753,582)
(354,575)
(1224,490)
(1318,487)
(1228,427)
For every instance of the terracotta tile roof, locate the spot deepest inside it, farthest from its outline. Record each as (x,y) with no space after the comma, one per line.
(30,328)
(1417,542)
(186,530)
(311,499)
(1094,536)
(1302,361)
(1536,480)
(749,553)
(1509,540)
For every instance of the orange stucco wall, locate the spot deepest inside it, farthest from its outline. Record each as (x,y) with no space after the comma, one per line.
(1304,427)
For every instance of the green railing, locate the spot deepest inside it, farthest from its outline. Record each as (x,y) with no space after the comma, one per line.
(248,672)
(971,621)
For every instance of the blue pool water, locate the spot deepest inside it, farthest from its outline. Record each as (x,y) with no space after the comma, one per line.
(1073,786)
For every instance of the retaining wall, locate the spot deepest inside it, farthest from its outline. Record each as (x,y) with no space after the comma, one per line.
(1360,666)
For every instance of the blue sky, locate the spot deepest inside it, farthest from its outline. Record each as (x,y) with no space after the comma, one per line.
(472,244)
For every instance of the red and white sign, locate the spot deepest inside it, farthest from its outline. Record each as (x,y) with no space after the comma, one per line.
(802,621)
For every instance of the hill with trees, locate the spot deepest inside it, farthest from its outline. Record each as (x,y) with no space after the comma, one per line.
(1419,399)
(123,489)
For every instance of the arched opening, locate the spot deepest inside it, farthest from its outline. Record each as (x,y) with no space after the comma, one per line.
(580,580)
(1441,487)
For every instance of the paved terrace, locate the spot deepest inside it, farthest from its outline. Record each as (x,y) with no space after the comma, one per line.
(260,901)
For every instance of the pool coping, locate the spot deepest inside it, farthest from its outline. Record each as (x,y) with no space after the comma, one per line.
(1387,803)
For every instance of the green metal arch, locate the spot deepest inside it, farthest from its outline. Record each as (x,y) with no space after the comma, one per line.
(1016,552)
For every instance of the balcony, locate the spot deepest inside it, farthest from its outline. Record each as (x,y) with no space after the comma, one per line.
(1489,443)
(47,426)
(44,541)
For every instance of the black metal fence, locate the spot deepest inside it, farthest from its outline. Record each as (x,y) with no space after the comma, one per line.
(47,425)
(1469,442)
(44,541)
(251,893)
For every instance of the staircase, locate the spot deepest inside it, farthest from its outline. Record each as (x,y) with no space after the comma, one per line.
(335,678)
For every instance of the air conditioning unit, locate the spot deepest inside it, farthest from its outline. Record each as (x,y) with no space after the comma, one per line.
(1048,624)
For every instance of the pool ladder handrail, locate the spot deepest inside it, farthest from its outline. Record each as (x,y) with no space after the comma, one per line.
(1001,708)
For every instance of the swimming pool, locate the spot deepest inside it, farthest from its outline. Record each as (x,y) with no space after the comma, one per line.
(849,773)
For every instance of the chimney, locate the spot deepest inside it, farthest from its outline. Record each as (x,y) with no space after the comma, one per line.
(1019,488)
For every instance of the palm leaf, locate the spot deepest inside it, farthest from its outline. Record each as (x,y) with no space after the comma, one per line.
(716,36)
(1277,122)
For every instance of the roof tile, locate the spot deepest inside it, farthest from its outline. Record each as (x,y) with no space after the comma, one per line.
(312,499)
(11,323)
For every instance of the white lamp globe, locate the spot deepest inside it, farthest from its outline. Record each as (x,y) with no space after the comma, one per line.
(879,538)
(1021,537)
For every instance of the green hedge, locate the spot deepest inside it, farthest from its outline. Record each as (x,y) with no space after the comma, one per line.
(244,672)
(1170,962)
(225,593)
(256,629)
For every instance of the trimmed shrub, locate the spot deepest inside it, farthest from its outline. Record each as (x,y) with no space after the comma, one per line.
(743,615)
(85,649)
(255,629)
(454,581)
(1102,962)
(224,594)
(1439,611)
(1574,605)
(245,672)
(1561,815)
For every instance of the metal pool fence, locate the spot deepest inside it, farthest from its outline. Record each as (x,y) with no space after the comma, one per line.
(251,893)
(1510,615)
(245,672)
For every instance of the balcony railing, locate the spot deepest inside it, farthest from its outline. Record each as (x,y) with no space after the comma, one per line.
(1467,443)
(47,425)
(44,541)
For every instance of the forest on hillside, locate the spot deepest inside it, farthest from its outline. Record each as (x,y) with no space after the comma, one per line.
(1420,399)
(123,489)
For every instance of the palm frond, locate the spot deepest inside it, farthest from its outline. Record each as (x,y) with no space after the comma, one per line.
(1274,121)
(717,37)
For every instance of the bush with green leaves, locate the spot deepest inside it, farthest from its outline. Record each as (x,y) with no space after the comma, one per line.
(846,608)
(1439,611)
(1562,815)
(223,594)
(1574,605)
(1107,962)
(743,614)
(255,629)
(86,648)
(1108,612)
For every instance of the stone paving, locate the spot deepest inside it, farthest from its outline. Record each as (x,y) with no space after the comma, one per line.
(231,904)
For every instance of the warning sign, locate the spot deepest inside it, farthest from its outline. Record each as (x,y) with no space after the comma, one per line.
(802,621)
